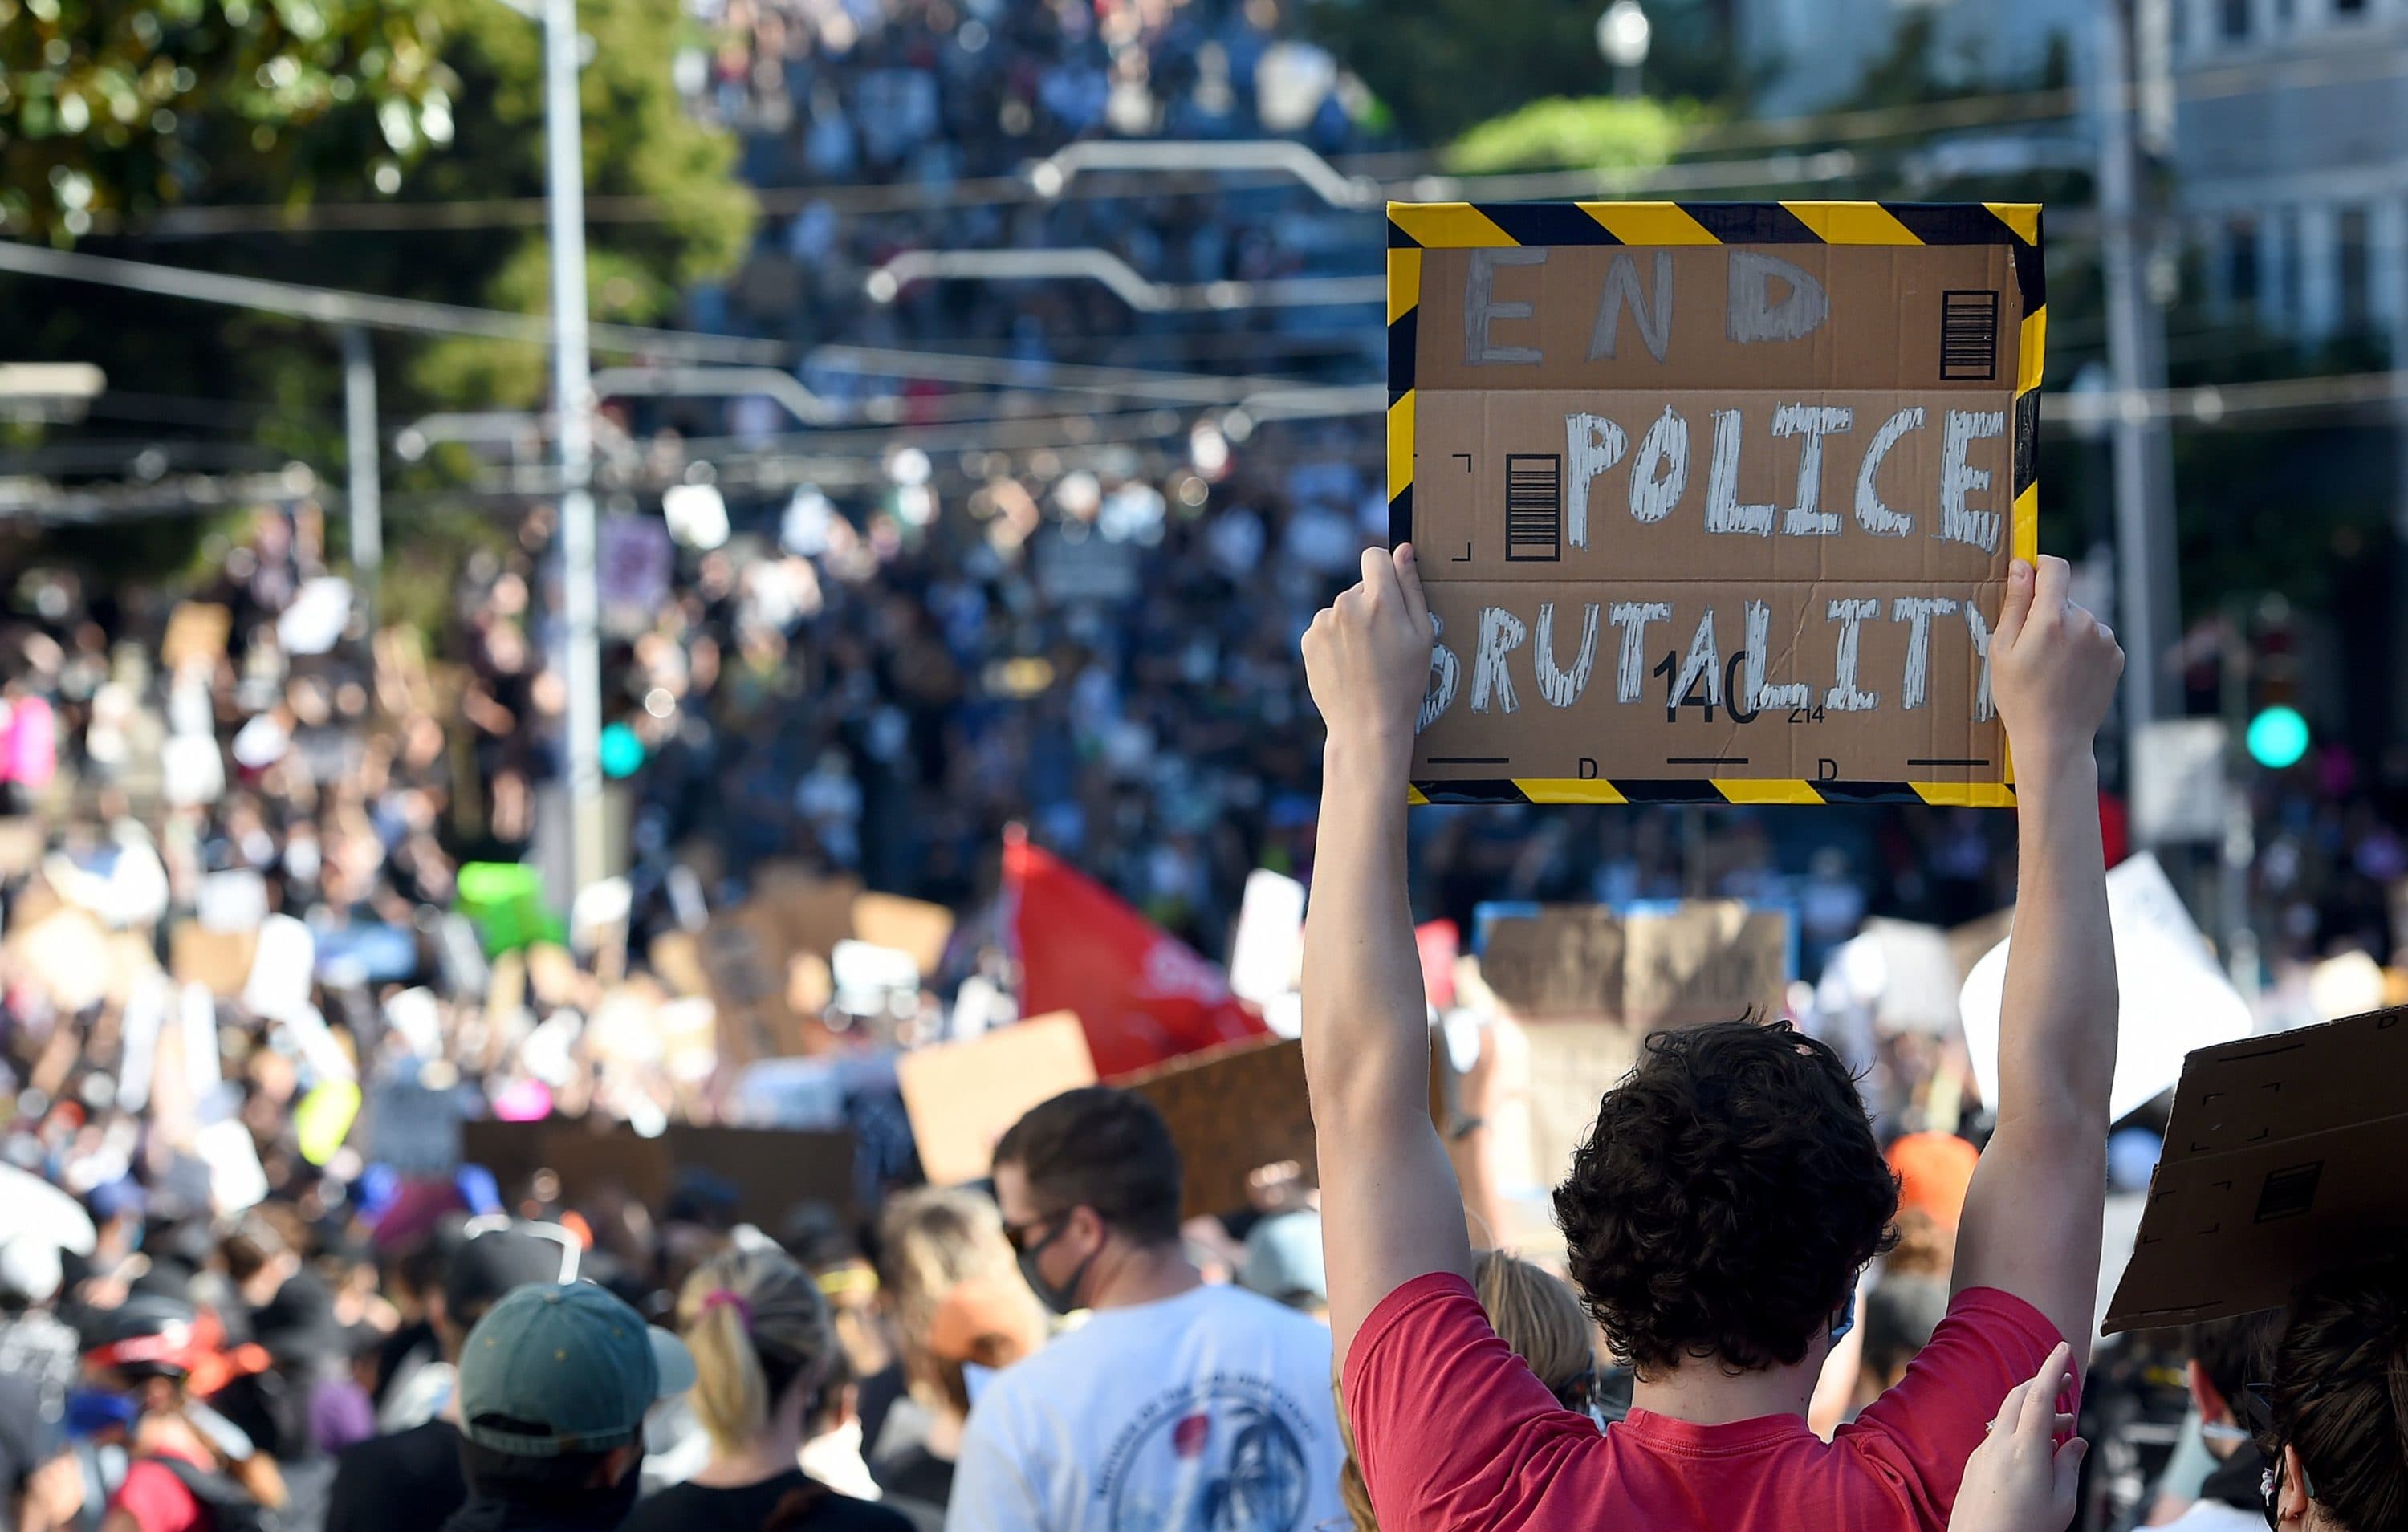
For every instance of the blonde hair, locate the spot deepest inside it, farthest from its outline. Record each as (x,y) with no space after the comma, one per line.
(931,1241)
(1536,1317)
(758,1329)
(1535,1314)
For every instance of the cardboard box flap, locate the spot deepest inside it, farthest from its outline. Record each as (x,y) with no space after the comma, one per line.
(2281,1161)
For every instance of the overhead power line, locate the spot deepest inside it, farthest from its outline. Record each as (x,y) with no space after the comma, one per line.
(1088,170)
(1108,269)
(334,306)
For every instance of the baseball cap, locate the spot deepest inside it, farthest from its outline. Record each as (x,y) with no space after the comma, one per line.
(564,1368)
(1284,1258)
(491,1262)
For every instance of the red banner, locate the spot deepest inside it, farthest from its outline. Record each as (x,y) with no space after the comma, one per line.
(1142,995)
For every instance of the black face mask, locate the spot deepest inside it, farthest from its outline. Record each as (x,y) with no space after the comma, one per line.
(1065,1298)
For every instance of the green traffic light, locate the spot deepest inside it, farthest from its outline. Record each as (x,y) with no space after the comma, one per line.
(622,751)
(2278,738)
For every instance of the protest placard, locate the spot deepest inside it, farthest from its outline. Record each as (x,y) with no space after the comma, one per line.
(771,1170)
(908,926)
(197,632)
(412,1127)
(1232,1111)
(1713,502)
(2281,1161)
(1269,947)
(962,1096)
(2174,997)
(1703,960)
(1651,965)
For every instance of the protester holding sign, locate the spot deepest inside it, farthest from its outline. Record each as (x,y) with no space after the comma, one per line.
(1732,1189)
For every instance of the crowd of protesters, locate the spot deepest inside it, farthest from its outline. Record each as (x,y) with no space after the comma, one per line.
(212,1319)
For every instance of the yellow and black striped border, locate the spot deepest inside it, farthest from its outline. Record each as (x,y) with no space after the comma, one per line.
(1416,226)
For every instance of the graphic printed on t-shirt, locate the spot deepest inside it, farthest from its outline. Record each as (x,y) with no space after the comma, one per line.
(1221,1454)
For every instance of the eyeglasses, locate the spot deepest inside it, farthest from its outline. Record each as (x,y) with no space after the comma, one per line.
(2257,1404)
(1020,1236)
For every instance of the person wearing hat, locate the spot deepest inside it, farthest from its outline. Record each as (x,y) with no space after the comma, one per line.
(185,1466)
(409,1479)
(555,1382)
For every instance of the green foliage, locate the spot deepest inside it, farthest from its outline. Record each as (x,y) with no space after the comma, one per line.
(125,107)
(1444,66)
(1600,133)
(419,106)
(639,142)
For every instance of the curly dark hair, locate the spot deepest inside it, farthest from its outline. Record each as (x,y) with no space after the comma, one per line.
(1726,1199)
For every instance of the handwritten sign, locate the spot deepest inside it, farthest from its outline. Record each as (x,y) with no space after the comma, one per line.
(1713,502)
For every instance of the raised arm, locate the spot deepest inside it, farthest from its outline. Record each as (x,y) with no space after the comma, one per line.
(2031,1220)
(1390,1211)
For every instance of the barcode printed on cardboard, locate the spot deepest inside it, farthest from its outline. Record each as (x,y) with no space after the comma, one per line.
(1534,507)
(1969,336)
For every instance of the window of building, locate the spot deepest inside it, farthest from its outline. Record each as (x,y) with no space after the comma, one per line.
(2241,273)
(2290,271)
(2236,19)
(2357,270)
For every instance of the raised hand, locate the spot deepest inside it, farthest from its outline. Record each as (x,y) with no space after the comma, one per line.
(2018,1480)
(2053,666)
(1367,656)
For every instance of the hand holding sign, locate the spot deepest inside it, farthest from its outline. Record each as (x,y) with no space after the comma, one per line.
(1367,658)
(2053,665)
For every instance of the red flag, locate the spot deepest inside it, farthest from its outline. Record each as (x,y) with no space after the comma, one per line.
(1142,995)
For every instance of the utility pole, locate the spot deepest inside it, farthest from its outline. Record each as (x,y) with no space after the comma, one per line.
(360,457)
(2146,616)
(573,393)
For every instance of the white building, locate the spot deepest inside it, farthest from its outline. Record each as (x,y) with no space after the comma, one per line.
(2292,159)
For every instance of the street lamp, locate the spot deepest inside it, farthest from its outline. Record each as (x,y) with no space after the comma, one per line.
(1623,35)
(572,388)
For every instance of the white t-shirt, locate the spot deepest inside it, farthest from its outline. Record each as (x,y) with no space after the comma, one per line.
(1209,1409)
(2214,1516)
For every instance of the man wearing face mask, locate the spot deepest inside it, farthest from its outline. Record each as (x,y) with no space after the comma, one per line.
(1177,1404)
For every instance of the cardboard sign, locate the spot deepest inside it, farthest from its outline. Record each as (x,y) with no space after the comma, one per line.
(1554,960)
(771,1169)
(1572,1064)
(2174,996)
(1651,965)
(908,926)
(1232,1111)
(413,1128)
(196,635)
(961,1096)
(747,953)
(2281,1161)
(1704,960)
(1714,501)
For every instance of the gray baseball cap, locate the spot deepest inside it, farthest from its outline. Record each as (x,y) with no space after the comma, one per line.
(560,1368)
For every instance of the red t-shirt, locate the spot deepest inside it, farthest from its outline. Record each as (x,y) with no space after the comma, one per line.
(1454,1432)
(157,1499)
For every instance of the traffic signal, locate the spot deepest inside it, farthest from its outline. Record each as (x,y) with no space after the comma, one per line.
(2277,737)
